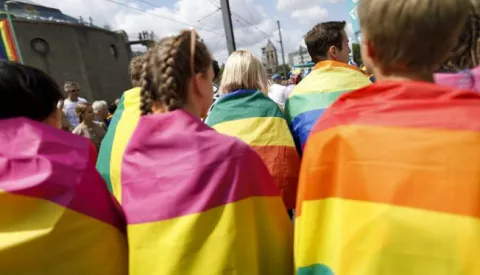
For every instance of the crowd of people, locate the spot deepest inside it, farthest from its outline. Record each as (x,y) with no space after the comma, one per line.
(329,174)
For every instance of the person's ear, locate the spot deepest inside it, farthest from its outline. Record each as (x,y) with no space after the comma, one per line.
(332,52)
(197,82)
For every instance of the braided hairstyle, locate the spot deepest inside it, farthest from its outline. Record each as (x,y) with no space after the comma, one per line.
(167,69)
(466,54)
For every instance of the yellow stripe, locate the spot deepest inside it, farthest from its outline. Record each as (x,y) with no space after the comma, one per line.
(252,236)
(258,131)
(41,237)
(363,238)
(5,41)
(334,79)
(127,124)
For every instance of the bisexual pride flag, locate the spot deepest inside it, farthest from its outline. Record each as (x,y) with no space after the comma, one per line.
(198,202)
(254,118)
(315,93)
(56,214)
(390,184)
(113,146)
(8,50)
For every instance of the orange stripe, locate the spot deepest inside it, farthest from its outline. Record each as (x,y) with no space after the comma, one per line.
(283,163)
(331,63)
(435,170)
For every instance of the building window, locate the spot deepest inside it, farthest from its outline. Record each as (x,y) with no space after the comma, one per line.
(40,46)
(113,51)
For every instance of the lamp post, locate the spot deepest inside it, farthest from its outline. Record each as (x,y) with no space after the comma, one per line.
(14,35)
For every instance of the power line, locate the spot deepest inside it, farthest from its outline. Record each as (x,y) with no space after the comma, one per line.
(162,17)
(208,15)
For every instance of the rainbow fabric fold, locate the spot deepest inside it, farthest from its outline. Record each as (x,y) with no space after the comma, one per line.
(390,184)
(119,132)
(315,93)
(7,44)
(198,202)
(254,118)
(56,215)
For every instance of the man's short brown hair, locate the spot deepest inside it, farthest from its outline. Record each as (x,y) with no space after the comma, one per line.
(136,70)
(322,37)
(70,85)
(411,35)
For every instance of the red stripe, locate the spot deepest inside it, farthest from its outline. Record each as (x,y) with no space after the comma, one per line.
(405,104)
(283,163)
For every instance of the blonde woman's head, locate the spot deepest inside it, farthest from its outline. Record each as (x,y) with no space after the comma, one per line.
(243,71)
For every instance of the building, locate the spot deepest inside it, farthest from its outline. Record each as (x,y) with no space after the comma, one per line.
(67,50)
(270,58)
(299,57)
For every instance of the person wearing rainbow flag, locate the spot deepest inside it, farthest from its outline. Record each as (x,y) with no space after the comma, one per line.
(389,182)
(327,44)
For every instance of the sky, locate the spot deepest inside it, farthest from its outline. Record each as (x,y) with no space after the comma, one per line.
(254,21)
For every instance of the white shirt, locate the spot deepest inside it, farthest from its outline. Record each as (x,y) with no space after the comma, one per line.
(278,93)
(69,109)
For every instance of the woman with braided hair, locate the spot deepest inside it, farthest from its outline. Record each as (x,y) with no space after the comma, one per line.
(196,201)
(462,69)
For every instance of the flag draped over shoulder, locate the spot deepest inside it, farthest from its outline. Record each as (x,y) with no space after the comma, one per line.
(390,184)
(113,146)
(256,119)
(8,50)
(198,202)
(315,93)
(56,215)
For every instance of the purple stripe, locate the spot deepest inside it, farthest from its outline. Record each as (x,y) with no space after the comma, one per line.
(185,167)
(39,161)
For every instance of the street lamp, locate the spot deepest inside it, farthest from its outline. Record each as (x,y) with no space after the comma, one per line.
(14,35)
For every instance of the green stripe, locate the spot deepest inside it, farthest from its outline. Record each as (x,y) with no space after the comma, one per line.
(241,106)
(301,103)
(103,162)
(316,269)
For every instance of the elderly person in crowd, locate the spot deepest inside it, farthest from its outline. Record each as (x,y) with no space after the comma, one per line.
(100,108)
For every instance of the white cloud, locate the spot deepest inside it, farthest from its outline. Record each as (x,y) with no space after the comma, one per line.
(311,16)
(252,26)
(292,5)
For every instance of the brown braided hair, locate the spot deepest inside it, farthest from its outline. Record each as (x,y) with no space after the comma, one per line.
(167,69)
(466,54)
(135,70)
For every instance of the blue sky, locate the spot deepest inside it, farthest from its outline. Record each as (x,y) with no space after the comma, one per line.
(254,20)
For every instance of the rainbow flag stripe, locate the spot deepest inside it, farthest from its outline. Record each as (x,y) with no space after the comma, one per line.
(254,118)
(200,203)
(390,184)
(56,215)
(315,93)
(113,146)
(7,45)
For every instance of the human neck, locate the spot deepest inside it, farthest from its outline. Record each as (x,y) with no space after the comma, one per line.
(71,99)
(404,76)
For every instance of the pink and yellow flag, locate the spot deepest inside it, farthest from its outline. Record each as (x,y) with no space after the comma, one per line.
(390,184)
(198,202)
(56,214)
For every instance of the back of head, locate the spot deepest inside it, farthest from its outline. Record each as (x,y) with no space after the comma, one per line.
(80,110)
(99,105)
(27,92)
(243,71)
(168,69)
(323,36)
(135,68)
(466,54)
(410,35)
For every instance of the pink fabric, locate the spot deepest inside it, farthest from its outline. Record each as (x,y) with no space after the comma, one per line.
(39,161)
(465,80)
(176,165)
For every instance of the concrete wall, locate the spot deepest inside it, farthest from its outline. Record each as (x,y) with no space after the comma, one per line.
(78,53)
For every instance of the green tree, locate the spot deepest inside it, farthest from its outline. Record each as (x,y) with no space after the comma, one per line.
(356,54)
(279,69)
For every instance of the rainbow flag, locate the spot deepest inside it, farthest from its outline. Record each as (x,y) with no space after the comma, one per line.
(7,44)
(315,93)
(56,215)
(113,146)
(390,184)
(254,118)
(198,202)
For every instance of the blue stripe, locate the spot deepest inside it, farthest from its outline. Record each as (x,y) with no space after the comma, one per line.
(237,93)
(303,124)
(316,269)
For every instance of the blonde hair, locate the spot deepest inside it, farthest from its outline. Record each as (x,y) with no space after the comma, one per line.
(135,70)
(243,71)
(412,34)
